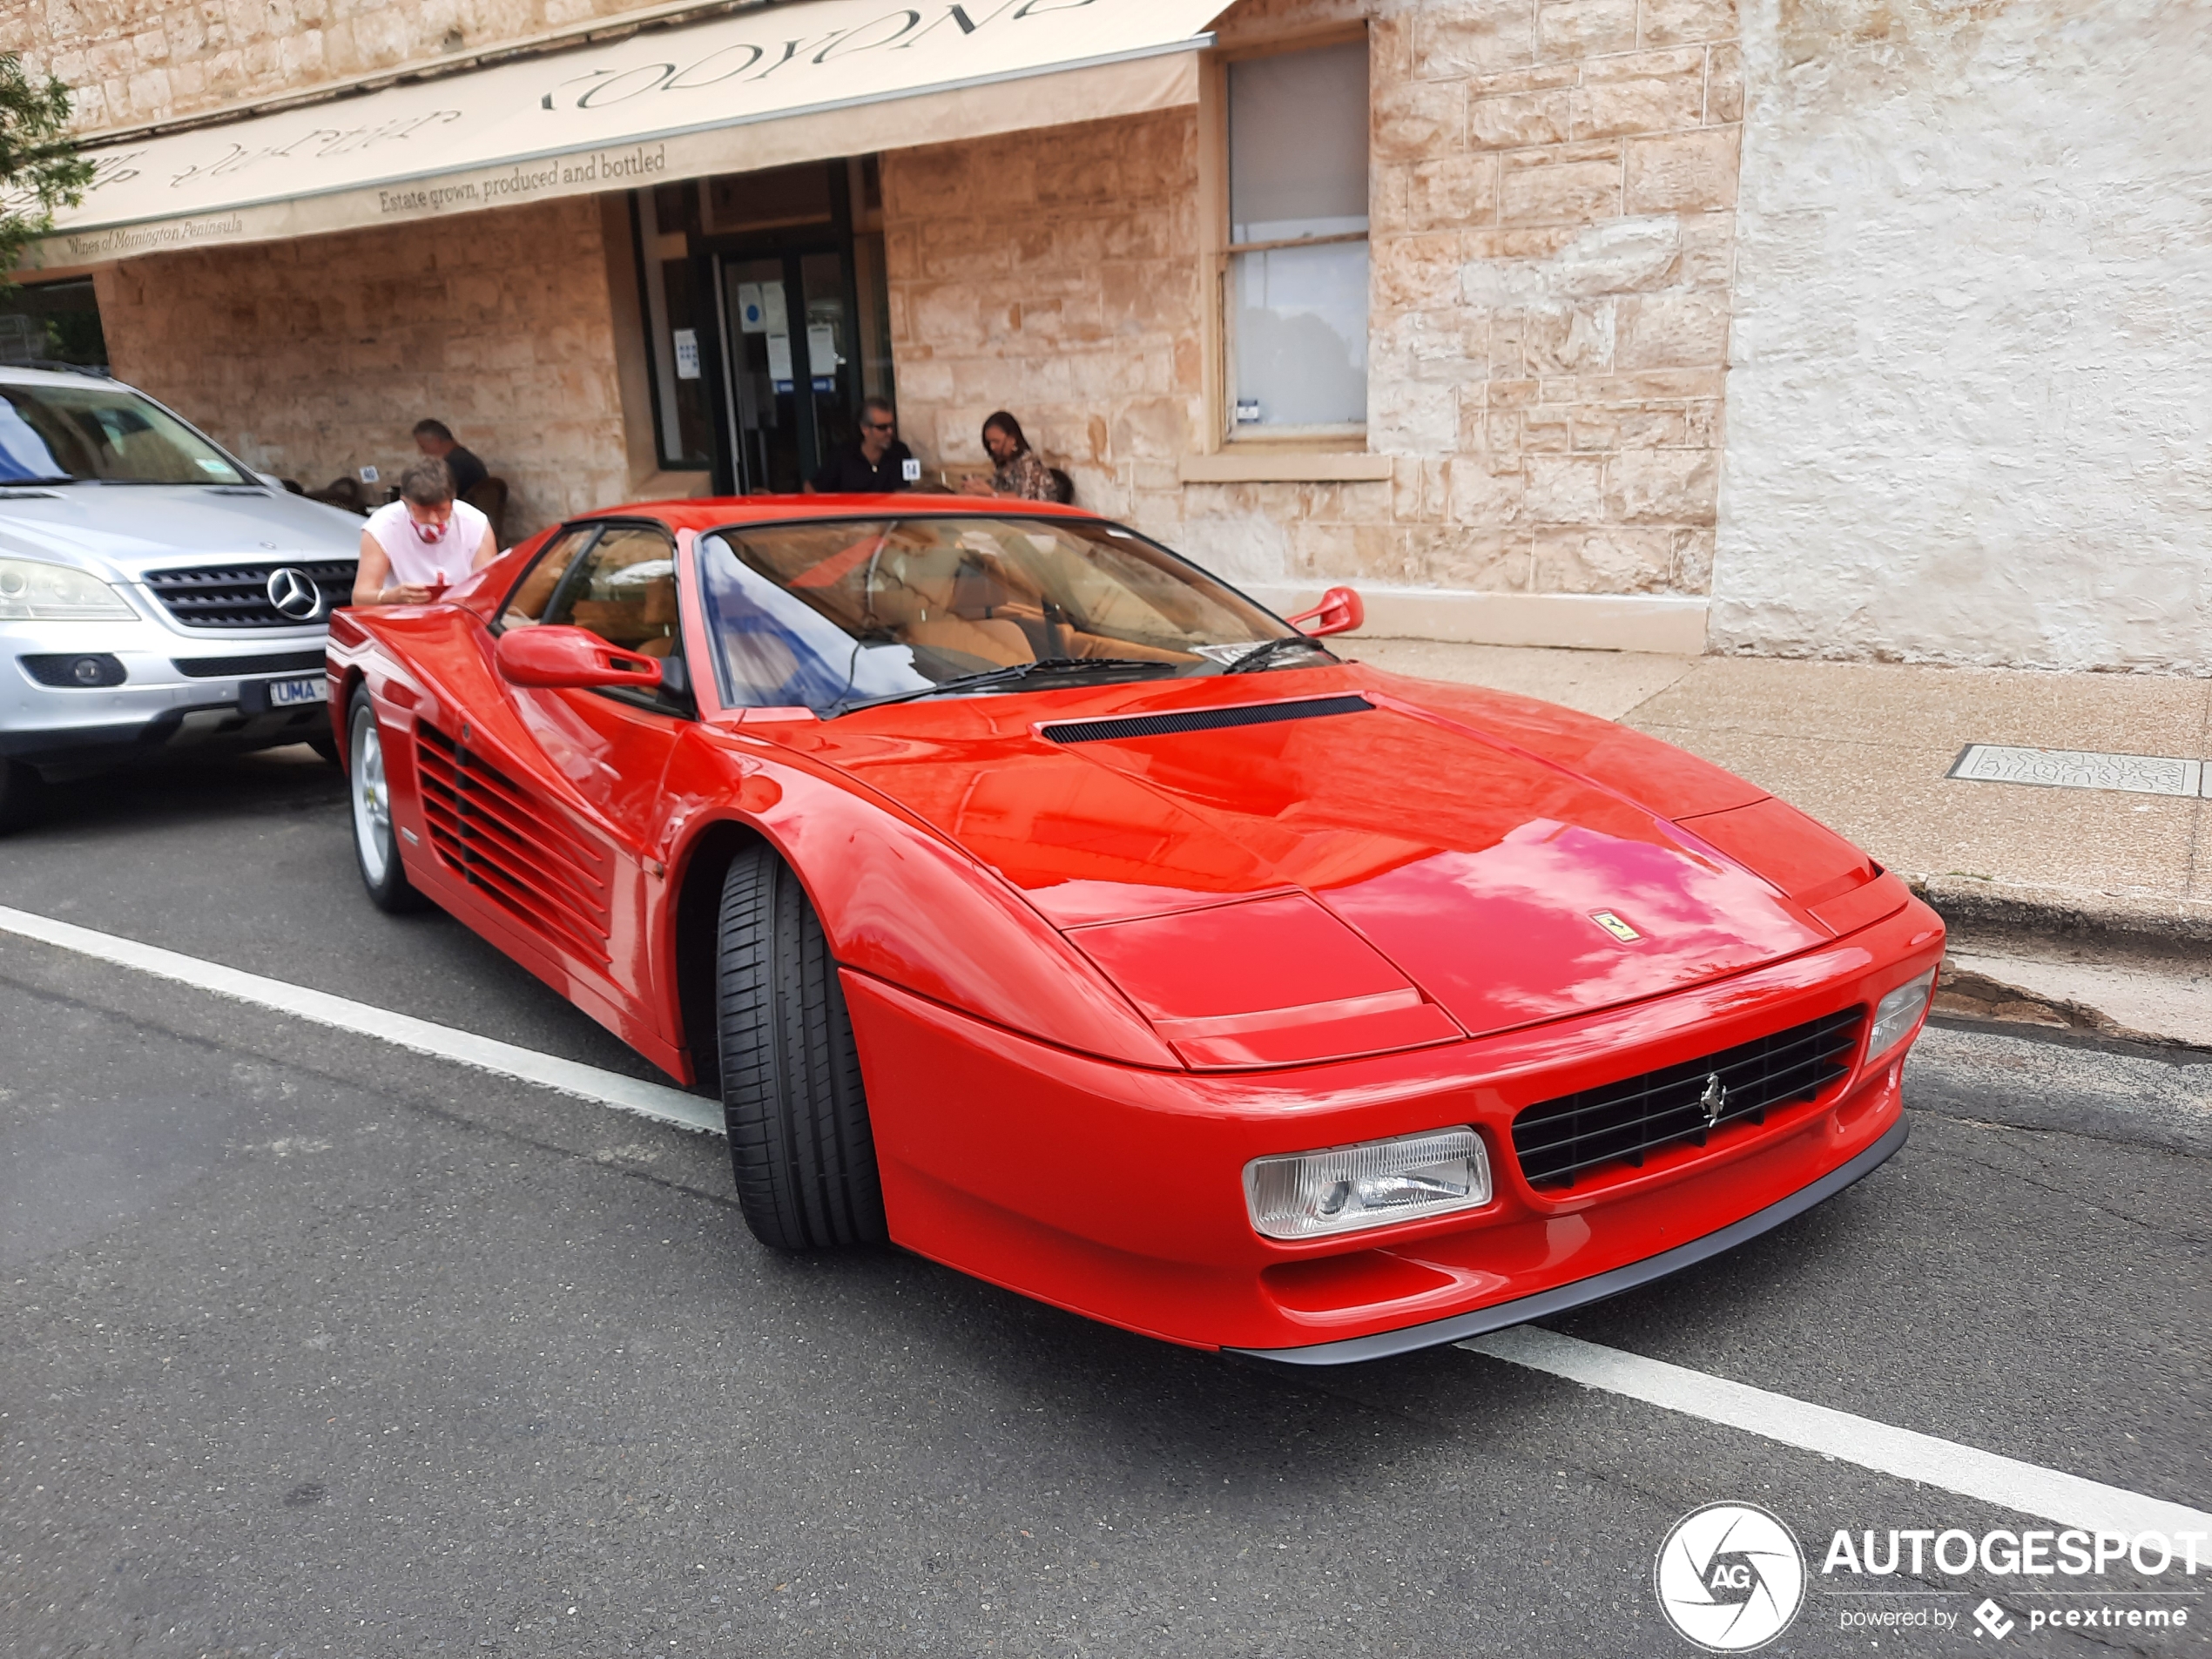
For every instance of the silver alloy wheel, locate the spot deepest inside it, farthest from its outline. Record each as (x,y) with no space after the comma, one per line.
(372,805)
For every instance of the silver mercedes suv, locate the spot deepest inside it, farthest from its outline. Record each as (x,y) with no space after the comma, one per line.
(155,594)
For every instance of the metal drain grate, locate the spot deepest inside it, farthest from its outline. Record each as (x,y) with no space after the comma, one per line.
(1995,763)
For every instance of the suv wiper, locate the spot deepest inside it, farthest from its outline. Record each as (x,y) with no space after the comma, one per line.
(1263,653)
(1006,676)
(22,483)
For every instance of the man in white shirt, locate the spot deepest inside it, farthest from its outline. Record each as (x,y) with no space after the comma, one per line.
(415,548)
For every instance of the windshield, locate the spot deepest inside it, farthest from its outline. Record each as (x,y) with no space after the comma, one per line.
(97,434)
(833,614)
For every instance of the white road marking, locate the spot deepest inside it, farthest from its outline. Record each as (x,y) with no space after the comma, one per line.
(656,1100)
(2033,1490)
(2066,1498)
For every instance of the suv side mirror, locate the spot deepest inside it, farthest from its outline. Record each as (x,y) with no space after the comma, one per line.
(1339,612)
(574,658)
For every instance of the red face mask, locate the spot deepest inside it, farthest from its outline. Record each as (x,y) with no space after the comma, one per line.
(429,532)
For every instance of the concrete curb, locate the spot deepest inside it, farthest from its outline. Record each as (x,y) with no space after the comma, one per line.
(1976,910)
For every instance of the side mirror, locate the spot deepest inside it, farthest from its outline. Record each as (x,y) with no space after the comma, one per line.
(570,657)
(1339,612)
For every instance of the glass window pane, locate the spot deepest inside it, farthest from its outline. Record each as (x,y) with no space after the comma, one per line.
(1297,143)
(92,432)
(1298,332)
(624,591)
(526,605)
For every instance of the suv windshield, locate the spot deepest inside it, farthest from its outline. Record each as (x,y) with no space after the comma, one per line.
(831,615)
(102,434)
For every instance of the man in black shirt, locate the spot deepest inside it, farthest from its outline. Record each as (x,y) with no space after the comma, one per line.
(875,464)
(435,439)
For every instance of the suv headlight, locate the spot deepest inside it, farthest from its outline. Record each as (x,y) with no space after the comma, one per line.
(30,590)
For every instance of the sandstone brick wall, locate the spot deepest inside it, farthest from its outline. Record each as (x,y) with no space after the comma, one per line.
(313,358)
(1054,275)
(134,61)
(1552,200)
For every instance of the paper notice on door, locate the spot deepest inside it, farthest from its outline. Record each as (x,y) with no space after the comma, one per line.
(773,320)
(779,360)
(752,316)
(821,348)
(687,354)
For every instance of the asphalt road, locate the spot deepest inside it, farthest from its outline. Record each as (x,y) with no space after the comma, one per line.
(310,1345)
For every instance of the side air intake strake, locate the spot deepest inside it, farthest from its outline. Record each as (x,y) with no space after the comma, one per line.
(1559,1140)
(510,847)
(1160,726)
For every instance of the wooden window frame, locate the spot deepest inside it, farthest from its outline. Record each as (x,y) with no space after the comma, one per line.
(1270,453)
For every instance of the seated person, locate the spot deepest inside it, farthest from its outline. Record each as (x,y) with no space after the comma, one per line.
(875,463)
(1020,476)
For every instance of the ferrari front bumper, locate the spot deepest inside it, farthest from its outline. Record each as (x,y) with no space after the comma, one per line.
(1117,1191)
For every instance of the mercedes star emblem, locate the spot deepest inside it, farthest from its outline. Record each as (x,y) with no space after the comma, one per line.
(1714,1098)
(293,594)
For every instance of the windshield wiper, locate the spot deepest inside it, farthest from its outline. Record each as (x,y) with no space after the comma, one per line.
(1006,676)
(1260,654)
(24,484)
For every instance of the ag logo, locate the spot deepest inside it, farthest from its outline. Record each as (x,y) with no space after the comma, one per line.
(1730,1577)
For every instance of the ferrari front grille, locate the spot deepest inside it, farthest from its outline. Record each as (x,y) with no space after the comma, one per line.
(1155,725)
(236,597)
(1559,1141)
(512,847)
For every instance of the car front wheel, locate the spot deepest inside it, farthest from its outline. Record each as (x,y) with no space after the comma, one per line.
(800,1141)
(376,848)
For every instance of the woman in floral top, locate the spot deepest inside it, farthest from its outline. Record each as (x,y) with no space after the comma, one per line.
(1020,475)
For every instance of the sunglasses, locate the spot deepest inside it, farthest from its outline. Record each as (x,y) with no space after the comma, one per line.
(878,426)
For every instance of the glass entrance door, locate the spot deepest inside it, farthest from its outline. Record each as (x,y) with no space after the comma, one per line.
(792,362)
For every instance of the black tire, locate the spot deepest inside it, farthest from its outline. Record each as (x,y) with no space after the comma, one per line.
(376,845)
(20,789)
(798,1117)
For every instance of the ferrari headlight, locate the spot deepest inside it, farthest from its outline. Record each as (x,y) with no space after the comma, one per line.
(1895,1015)
(30,590)
(1309,1195)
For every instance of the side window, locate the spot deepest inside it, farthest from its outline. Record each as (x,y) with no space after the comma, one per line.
(526,605)
(623,590)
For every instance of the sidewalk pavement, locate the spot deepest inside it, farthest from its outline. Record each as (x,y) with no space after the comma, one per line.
(2040,883)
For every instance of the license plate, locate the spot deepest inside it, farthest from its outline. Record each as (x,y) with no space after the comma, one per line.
(287,693)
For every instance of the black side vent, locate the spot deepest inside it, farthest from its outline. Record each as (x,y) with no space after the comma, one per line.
(1559,1140)
(1159,725)
(223,668)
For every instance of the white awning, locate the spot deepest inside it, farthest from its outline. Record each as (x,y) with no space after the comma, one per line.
(762,87)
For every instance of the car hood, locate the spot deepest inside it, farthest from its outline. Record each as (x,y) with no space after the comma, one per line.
(120,531)
(1500,880)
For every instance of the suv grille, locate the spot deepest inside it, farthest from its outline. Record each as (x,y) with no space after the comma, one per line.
(1559,1140)
(237,595)
(509,846)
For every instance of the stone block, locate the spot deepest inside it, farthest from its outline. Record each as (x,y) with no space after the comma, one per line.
(1678,330)
(1158,427)
(1567,340)
(1412,417)
(1519,120)
(1666,21)
(1482,558)
(1568,184)
(1417,120)
(1570,28)
(1724,84)
(1450,191)
(1414,271)
(1657,426)
(1614,559)
(1472,38)
(1613,109)
(1565,488)
(1477,496)
(1662,486)
(1684,172)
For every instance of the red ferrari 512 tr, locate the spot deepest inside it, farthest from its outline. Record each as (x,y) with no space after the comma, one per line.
(1037,902)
